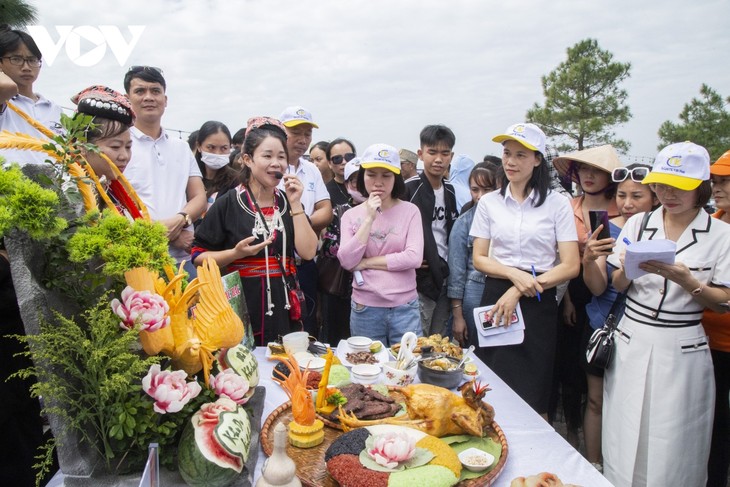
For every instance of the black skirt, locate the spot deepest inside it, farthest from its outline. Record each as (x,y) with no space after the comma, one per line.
(528,367)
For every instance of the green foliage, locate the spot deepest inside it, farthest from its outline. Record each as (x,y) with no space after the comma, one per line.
(45,460)
(121,244)
(704,121)
(72,142)
(134,425)
(27,206)
(73,280)
(17,13)
(583,99)
(99,369)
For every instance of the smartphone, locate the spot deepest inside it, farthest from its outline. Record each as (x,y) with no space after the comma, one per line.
(487,323)
(599,217)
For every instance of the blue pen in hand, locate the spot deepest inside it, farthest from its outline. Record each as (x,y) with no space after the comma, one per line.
(534,276)
(627,241)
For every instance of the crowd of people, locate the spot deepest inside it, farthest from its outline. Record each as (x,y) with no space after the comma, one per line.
(396,240)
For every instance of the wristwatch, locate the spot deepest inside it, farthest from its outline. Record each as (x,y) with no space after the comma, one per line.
(698,291)
(188,221)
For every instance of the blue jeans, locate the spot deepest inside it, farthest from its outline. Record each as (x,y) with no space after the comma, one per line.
(473,292)
(385,324)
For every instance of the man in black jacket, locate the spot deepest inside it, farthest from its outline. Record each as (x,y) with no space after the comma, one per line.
(436,199)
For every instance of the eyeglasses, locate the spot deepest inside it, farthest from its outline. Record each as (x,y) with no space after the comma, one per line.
(32,61)
(637,174)
(337,160)
(139,69)
(662,189)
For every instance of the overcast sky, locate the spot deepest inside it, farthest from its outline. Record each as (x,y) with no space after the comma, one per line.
(378,71)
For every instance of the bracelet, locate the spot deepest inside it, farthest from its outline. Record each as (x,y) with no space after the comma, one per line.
(456,306)
(295,213)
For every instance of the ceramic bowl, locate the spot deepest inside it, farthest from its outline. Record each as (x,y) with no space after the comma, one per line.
(397,377)
(476,460)
(448,379)
(365,373)
(314,363)
(359,344)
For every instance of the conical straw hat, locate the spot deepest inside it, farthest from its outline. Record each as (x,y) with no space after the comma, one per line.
(603,157)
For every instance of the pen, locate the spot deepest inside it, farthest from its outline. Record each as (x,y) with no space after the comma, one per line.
(535,277)
(627,241)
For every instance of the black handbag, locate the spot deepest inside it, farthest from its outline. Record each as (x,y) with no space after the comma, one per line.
(600,346)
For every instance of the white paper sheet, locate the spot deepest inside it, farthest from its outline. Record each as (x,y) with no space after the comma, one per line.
(660,250)
(500,335)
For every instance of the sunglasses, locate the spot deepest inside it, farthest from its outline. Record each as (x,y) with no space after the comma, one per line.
(637,174)
(337,160)
(139,69)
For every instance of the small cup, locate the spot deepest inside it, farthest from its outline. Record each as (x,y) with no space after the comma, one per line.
(296,342)
(393,376)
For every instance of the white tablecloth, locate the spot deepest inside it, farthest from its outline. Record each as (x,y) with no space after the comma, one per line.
(534,446)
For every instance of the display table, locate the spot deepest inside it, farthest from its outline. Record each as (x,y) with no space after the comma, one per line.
(534,446)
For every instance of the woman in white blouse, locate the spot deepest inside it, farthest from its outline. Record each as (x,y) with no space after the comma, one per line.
(526,225)
(659,389)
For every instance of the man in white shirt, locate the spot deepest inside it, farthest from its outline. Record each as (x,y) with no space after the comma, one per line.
(315,198)
(162,170)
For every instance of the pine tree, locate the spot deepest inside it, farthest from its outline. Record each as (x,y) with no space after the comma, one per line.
(584,99)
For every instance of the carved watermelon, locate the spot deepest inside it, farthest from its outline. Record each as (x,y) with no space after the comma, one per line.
(243,363)
(215,444)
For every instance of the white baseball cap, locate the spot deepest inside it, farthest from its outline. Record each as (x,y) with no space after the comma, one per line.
(293,116)
(381,155)
(683,165)
(527,134)
(352,166)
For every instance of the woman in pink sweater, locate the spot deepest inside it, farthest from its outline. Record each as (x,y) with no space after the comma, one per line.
(382,243)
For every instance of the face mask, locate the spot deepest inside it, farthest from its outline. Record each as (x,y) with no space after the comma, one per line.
(356,196)
(214,161)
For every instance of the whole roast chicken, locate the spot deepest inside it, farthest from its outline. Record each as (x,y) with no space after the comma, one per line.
(439,412)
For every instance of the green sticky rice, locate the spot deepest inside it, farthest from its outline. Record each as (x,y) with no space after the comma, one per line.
(426,476)
(339,376)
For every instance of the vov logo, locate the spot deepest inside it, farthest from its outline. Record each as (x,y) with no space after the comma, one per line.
(96,40)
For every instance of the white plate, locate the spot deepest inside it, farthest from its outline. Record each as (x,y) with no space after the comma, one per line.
(343,349)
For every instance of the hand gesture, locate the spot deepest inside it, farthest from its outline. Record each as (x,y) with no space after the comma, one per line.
(597,248)
(293,188)
(461,334)
(501,313)
(373,204)
(677,272)
(525,283)
(244,248)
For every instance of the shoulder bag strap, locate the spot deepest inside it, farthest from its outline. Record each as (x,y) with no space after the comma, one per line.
(621,298)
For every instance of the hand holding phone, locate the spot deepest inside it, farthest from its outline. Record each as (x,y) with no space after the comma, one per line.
(597,218)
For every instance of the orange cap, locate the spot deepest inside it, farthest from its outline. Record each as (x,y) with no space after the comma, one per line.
(721,167)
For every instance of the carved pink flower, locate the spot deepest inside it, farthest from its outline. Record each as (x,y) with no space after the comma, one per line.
(231,385)
(390,449)
(169,389)
(210,411)
(141,308)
